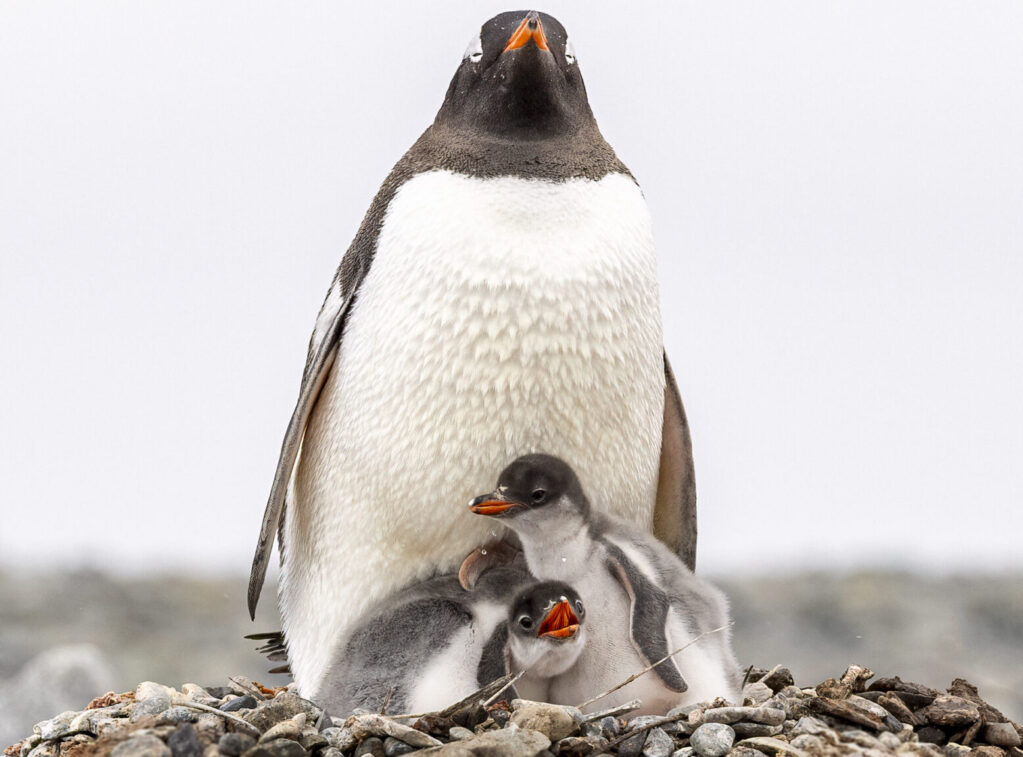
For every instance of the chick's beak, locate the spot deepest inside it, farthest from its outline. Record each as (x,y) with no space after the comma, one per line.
(491,504)
(530,28)
(560,623)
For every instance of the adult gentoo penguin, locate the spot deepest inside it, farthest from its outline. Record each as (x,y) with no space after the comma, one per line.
(500,297)
(643,603)
(429,645)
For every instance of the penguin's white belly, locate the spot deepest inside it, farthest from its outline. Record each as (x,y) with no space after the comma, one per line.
(499,317)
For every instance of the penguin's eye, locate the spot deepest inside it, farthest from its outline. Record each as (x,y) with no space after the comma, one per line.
(526,622)
(569,52)
(475,50)
(539,495)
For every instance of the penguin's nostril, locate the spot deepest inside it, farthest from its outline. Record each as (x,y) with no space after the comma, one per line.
(532,23)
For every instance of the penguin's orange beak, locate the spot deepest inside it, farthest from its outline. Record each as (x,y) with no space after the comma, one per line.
(530,29)
(560,623)
(491,504)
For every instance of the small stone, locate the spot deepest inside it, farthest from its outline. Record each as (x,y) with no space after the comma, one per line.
(141,745)
(856,677)
(682,711)
(176,715)
(770,745)
(458,733)
(507,742)
(931,735)
(197,693)
(311,739)
(744,715)
(609,727)
(807,743)
(150,700)
(577,746)
(748,730)
(286,729)
(686,751)
(712,739)
(184,742)
(888,740)
(987,751)
(210,729)
(810,725)
(282,707)
(779,679)
(632,746)
(55,727)
(744,751)
(371,747)
(861,738)
(247,702)
(395,748)
(898,708)
(234,744)
(278,748)
(947,711)
(756,693)
(500,717)
(211,751)
(553,721)
(956,750)
(658,744)
(331,752)
(1001,734)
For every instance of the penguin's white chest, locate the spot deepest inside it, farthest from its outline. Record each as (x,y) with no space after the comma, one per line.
(499,317)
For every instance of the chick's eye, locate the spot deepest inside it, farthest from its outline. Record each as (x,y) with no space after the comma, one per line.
(539,495)
(526,622)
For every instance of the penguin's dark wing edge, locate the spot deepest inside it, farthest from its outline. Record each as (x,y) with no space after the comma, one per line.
(649,618)
(675,509)
(321,359)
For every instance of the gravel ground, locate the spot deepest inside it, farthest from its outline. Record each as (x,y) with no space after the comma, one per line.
(856,714)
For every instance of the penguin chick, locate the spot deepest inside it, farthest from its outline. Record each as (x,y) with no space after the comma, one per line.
(642,601)
(431,644)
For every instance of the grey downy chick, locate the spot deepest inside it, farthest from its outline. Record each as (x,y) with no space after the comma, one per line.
(642,601)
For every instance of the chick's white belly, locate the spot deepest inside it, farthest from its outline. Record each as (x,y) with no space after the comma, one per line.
(513,317)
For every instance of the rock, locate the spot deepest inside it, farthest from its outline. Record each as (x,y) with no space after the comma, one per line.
(184,742)
(956,750)
(246,702)
(632,746)
(551,720)
(744,751)
(658,744)
(948,711)
(1001,734)
(931,735)
(686,751)
(278,748)
(578,746)
(286,729)
(235,744)
(506,742)
(769,745)
(898,708)
(311,739)
(810,725)
(712,739)
(55,727)
(987,751)
(210,729)
(394,748)
(855,677)
(748,730)
(458,733)
(141,745)
(756,693)
(779,679)
(805,742)
(764,715)
(151,699)
(371,747)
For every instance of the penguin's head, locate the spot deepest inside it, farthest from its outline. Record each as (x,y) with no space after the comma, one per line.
(538,484)
(546,628)
(518,79)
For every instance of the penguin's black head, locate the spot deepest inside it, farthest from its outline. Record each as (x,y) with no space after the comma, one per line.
(519,79)
(548,610)
(529,483)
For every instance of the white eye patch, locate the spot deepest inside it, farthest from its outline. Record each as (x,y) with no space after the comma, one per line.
(475,49)
(569,52)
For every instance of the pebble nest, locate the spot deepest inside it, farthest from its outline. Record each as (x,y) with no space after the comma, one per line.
(850,715)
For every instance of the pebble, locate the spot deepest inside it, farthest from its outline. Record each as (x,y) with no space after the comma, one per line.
(730,715)
(553,721)
(747,730)
(757,692)
(286,729)
(458,733)
(774,746)
(278,748)
(712,739)
(141,745)
(1001,734)
(246,702)
(235,744)
(658,744)
(632,746)
(947,711)
(175,715)
(55,727)
(184,742)
(394,748)
(371,747)
(686,751)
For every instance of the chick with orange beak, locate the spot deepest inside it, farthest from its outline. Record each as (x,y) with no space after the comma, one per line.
(642,602)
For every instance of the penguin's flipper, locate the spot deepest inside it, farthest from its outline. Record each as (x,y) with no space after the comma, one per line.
(675,509)
(494,661)
(322,352)
(649,618)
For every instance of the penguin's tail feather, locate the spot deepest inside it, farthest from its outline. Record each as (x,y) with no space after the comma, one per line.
(274,647)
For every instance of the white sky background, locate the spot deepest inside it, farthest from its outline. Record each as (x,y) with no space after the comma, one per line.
(837,190)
